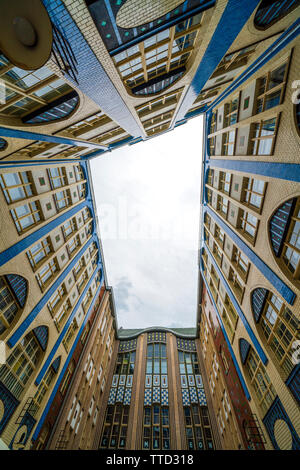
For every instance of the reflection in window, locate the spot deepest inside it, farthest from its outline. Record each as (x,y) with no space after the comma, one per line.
(280,328)
(162,57)
(263,136)
(26,216)
(275,80)
(21,364)
(197,428)
(16,186)
(115,427)
(285,236)
(156,431)
(271,11)
(260,381)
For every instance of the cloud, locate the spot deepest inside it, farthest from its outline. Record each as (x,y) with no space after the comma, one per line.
(151,255)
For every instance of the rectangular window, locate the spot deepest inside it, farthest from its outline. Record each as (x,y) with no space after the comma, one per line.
(62,199)
(26,216)
(57,177)
(16,186)
(263,137)
(39,252)
(47,273)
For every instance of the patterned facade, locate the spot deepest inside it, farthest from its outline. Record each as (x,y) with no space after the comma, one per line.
(80,78)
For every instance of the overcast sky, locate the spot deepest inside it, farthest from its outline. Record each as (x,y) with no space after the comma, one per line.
(148,202)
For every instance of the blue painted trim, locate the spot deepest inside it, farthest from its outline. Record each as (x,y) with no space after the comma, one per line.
(38,307)
(284,171)
(285,292)
(29,135)
(106,95)
(63,332)
(112,19)
(287,36)
(26,242)
(58,382)
(158,29)
(246,391)
(238,309)
(233,19)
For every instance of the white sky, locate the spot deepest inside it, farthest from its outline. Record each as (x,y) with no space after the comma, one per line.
(148,202)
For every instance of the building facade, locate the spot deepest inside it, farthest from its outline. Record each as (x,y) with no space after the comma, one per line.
(81,78)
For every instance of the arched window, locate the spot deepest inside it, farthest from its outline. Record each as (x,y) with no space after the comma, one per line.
(271,11)
(158,61)
(3,144)
(47,97)
(278,325)
(23,361)
(256,373)
(13,294)
(284,230)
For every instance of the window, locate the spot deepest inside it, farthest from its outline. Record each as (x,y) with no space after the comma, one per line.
(26,216)
(260,381)
(248,224)
(62,314)
(156,431)
(114,433)
(280,329)
(62,199)
(9,306)
(47,273)
(67,377)
(79,172)
(156,359)
(69,227)
(39,252)
(57,177)
(158,56)
(240,262)
(70,334)
(270,89)
(269,12)
(231,112)
(222,205)
(27,91)
(21,364)
(197,428)
(253,193)
(263,135)
(57,299)
(16,186)
(228,141)
(291,243)
(73,245)
(225,180)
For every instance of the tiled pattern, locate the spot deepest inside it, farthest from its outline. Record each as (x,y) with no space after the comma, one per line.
(202,397)
(127,396)
(148,397)
(127,345)
(156,395)
(156,337)
(112,396)
(186,344)
(120,394)
(193,395)
(164,397)
(185,397)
